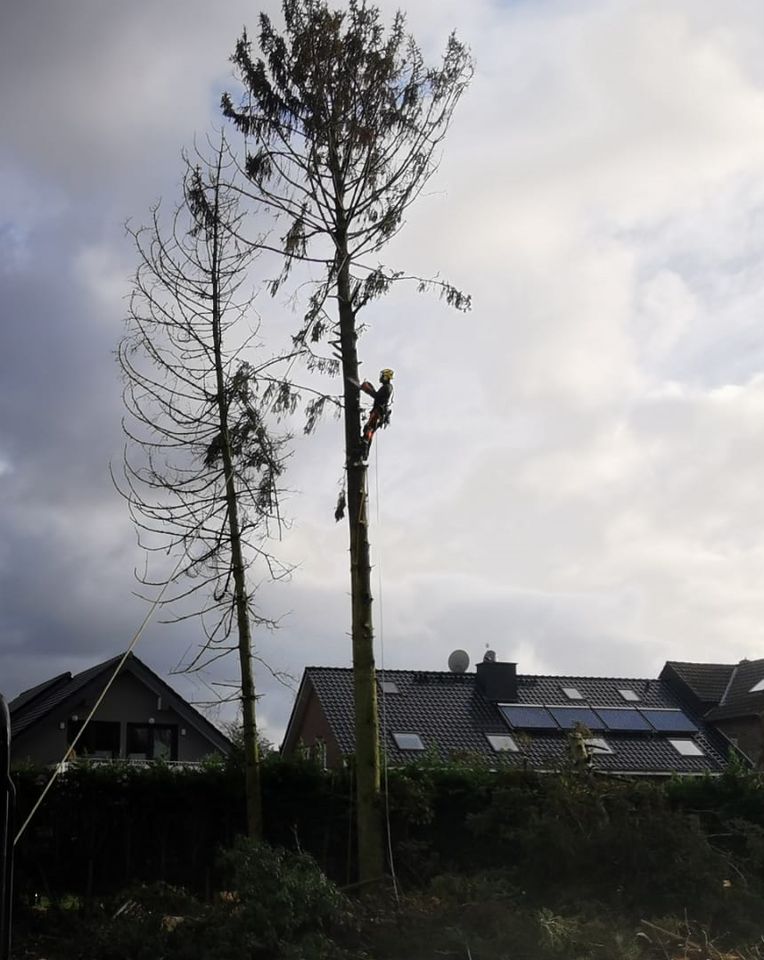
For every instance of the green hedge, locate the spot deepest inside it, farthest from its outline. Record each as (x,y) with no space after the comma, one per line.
(554,840)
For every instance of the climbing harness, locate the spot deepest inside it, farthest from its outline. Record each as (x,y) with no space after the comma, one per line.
(380,411)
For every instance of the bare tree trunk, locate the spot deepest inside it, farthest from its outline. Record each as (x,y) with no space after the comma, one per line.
(371,863)
(252,786)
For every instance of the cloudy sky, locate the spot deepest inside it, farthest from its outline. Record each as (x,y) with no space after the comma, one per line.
(574,470)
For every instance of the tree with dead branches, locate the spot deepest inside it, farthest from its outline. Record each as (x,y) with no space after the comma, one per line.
(201,467)
(344,124)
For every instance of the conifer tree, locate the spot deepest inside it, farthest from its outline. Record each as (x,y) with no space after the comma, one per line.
(201,467)
(344,122)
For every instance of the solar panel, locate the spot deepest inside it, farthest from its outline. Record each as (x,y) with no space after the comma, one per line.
(669,721)
(623,718)
(529,717)
(568,717)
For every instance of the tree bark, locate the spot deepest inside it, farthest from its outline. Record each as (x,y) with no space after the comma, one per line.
(252,786)
(371,859)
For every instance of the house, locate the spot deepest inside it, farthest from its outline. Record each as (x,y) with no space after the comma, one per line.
(728,695)
(634,727)
(141,718)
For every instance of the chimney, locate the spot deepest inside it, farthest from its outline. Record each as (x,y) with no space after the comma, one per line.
(497,681)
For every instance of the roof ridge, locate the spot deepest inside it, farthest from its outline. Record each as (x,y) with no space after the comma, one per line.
(471,673)
(699,663)
(729,684)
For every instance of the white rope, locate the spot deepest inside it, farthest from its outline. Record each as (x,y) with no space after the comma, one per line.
(70,750)
(382,689)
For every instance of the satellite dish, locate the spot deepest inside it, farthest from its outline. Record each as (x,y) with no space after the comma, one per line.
(458,661)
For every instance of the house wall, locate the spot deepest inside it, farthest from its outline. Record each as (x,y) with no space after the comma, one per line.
(315,727)
(128,701)
(748,734)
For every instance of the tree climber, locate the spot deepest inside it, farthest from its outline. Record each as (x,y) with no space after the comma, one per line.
(380,412)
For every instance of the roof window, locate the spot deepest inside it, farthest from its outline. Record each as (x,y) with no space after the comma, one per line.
(572,694)
(688,748)
(757,686)
(388,686)
(501,742)
(598,745)
(631,695)
(408,741)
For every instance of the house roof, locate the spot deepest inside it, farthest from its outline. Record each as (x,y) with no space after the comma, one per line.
(451,715)
(47,685)
(707,682)
(38,702)
(723,691)
(740,699)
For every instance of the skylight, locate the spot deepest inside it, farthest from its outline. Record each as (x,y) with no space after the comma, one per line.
(408,741)
(598,745)
(688,748)
(501,742)
(388,686)
(757,686)
(572,694)
(630,695)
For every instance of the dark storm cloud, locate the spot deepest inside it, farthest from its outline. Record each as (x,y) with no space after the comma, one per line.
(571,472)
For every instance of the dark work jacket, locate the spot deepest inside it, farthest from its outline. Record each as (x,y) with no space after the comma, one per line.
(382,396)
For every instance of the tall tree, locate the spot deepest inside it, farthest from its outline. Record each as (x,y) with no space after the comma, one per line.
(346,123)
(201,467)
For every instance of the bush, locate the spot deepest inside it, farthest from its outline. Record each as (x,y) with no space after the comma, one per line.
(276,903)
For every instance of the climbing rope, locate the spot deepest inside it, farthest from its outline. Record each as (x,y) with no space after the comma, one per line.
(383,696)
(70,749)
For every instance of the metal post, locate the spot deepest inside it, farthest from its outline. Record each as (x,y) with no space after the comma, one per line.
(7,806)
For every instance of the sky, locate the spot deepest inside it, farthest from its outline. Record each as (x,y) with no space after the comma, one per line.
(573,472)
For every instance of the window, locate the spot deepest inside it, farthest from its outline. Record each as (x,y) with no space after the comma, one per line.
(630,695)
(598,745)
(100,739)
(688,748)
(408,741)
(501,742)
(388,686)
(572,694)
(757,687)
(152,741)
(318,752)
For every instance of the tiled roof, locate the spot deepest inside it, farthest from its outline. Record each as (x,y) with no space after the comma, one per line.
(451,716)
(738,701)
(720,690)
(707,681)
(26,696)
(31,705)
